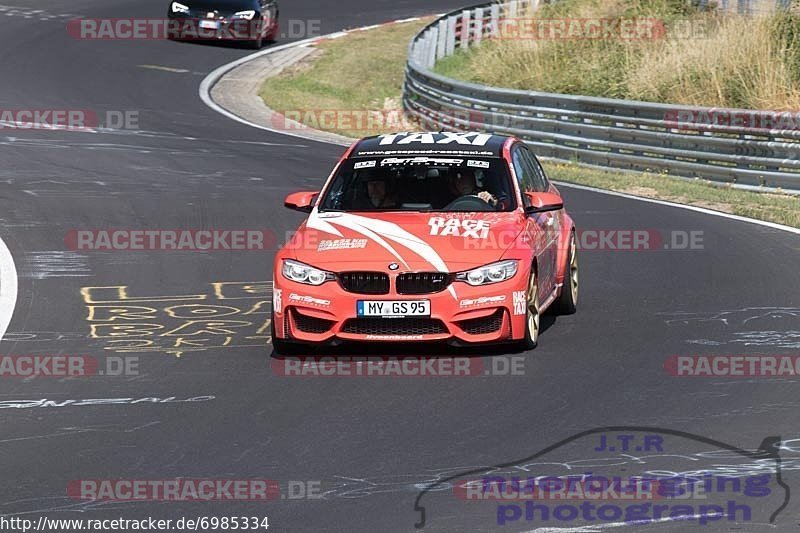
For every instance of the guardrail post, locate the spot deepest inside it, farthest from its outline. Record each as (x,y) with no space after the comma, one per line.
(424,49)
(441,47)
(430,59)
(494,22)
(450,46)
(466,29)
(478,25)
(415,52)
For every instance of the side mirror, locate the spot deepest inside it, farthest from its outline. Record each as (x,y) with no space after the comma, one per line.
(301,201)
(543,202)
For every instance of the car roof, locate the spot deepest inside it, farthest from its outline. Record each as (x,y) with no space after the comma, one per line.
(431,143)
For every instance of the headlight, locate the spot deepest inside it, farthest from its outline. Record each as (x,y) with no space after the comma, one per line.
(247,15)
(302,273)
(179,8)
(494,273)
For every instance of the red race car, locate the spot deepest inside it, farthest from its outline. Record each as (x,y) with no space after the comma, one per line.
(455,237)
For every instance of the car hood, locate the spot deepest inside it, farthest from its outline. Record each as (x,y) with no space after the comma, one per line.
(445,242)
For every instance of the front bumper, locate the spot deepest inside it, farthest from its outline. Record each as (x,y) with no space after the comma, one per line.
(461,314)
(189,27)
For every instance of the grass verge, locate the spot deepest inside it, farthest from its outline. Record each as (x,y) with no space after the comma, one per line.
(697,58)
(363,72)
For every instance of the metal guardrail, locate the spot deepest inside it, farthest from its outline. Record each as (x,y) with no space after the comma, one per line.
(679,140)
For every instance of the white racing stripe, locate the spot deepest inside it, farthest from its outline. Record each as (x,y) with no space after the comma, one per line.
(8,287)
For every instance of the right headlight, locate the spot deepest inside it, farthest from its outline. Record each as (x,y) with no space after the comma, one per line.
(179,8)
(303,273)
(493,273)
(246,15)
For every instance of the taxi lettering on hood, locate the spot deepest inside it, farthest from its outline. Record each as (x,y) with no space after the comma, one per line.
(454,227)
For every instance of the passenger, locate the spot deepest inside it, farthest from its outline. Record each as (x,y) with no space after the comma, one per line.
(379,195)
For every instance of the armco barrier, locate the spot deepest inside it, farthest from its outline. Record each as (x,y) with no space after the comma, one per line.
(599,131)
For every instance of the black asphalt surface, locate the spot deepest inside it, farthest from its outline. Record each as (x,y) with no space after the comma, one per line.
(370,444)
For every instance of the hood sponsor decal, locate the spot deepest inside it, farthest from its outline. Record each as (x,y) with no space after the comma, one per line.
(341,244)
(445,227)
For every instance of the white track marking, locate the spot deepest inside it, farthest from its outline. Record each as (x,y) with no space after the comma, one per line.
(208,83)
(8,287)
(210,80)
(703,210)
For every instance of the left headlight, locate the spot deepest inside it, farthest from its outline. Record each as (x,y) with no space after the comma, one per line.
(247,15)
(302,273)
(179,8)
(486,275)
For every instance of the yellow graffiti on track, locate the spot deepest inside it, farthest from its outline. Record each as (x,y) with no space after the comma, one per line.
(227,315)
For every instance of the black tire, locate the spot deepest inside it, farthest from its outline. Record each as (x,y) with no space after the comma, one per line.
(256,44)
(567,302)
(533,319)
(281,346)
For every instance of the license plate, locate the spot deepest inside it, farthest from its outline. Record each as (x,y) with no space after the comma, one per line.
(209,24)
(394,308)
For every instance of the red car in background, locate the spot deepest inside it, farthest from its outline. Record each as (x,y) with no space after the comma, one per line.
(418,237)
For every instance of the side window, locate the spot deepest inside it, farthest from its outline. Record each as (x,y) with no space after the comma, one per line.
(537,173)
(523,172)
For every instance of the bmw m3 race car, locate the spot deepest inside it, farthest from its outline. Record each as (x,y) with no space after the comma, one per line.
(253,21)
(455,237)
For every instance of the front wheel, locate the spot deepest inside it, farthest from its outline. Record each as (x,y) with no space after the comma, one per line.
(567,302)
(532,317)
(256,43)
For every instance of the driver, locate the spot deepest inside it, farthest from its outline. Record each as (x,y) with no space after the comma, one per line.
(379,197)
(463,183)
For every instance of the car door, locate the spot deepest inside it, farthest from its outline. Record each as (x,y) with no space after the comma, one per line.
(533,180)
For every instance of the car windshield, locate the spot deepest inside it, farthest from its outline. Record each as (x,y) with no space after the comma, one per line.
(421,184)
